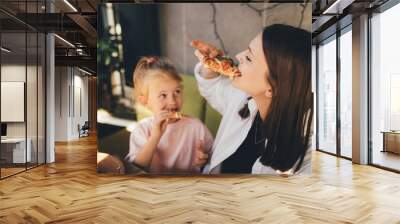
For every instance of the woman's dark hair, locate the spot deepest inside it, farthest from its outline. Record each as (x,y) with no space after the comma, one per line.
(287,52)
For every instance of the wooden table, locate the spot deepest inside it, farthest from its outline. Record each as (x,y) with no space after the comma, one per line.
(391,141)
(13,150)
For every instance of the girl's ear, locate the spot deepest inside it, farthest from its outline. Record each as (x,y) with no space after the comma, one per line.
(142,99)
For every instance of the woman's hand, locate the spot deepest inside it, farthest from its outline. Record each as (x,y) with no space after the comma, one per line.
(206,49)
(205,72)
(201,157)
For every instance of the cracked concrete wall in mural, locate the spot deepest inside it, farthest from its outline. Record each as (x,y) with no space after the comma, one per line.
(230,26)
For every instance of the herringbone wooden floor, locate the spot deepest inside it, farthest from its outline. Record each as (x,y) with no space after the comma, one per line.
(70,191)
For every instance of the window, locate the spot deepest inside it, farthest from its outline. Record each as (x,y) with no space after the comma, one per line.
(22,75)
(385,88)
(346,93)
(327,96)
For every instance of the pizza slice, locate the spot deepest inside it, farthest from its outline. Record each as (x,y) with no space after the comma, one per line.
(177,115)
(222,65)
(216,61)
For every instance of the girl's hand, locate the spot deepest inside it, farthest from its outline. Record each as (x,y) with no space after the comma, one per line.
(201,157)
(160,123)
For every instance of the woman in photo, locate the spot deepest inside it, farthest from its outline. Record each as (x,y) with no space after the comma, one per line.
(267,109)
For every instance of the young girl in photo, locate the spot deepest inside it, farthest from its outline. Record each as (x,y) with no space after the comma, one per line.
(166,142)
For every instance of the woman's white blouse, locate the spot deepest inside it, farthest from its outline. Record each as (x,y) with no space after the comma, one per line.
(232,131)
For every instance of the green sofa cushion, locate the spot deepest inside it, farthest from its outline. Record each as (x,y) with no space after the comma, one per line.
(212,119)
(193,102)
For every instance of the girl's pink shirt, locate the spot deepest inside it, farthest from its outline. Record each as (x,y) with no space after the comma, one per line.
(175,152)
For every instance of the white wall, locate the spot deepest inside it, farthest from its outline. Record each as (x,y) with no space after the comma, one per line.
(16,73)
(61,103)
(33,127)
(236,25)
(10,73)
(71,94)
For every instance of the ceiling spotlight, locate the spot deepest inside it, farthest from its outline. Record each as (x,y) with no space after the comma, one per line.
(65,41)
(84,71)
(79,51)
(337,7)
(5,50)
(70,5)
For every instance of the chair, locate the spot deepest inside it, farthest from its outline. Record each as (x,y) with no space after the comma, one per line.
(109,164)
(84,130)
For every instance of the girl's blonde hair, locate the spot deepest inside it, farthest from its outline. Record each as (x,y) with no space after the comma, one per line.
(150,67)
